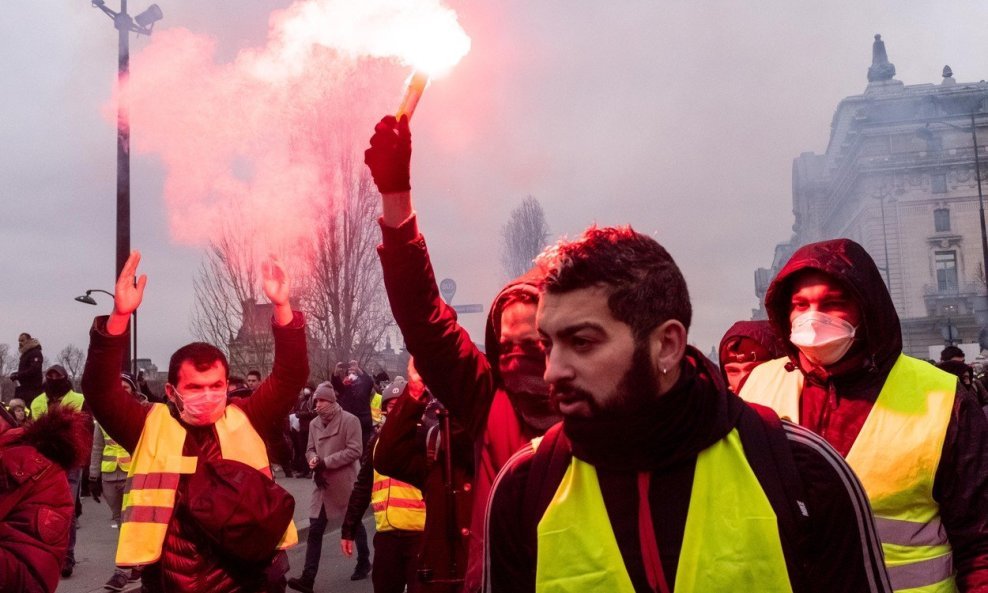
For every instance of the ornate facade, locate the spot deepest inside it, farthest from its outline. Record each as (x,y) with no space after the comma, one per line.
(899,177)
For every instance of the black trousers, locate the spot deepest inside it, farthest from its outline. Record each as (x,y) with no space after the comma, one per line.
(396,561)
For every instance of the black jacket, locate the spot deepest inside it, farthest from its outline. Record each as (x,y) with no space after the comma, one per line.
(28,375)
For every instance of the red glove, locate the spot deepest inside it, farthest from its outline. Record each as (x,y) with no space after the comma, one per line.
(390,155)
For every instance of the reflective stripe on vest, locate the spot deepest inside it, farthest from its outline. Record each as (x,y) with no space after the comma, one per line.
(114,456)
(156,469)
(895,456)
(397,505)
(730,543)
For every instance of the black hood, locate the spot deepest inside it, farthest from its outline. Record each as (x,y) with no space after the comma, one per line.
(850,264)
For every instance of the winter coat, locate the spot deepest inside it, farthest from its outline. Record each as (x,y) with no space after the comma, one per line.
(28,375)
(36,507)
(463,378)
(338,445)
(188,561)
(407,452)
(836,401)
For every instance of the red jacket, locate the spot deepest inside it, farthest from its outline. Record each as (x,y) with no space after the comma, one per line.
(36,508)
(187,561)
(463,378)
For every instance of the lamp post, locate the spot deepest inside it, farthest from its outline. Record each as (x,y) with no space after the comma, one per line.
(142,24)
(129,363)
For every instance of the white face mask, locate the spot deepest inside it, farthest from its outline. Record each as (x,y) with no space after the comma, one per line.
(204,408)
(822,338)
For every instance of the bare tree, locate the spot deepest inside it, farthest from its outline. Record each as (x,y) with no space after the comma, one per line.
(73,359)
(8,365)
(227,311)
(525,235)
(344,298)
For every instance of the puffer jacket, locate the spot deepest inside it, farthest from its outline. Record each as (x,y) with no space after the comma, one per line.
(28,375)
(36,507)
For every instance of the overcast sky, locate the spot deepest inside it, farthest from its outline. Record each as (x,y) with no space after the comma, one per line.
(680,117)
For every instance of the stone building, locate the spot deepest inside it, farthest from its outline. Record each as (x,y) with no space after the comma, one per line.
(899,177)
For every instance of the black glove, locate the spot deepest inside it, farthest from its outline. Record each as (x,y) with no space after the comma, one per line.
(390,155)
(95,488)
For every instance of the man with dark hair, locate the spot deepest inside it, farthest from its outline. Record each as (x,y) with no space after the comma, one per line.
(174,444)
(658,479)
(498,396)
(253,379)
(951,353)
(917,442)
(28,375)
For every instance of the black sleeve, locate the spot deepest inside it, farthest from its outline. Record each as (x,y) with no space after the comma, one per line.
(400,452)
(961,489)
(841,550)
(360,496)
(510,546)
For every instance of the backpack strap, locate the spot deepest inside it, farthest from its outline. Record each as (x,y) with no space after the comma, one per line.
(549,464)
(769,452)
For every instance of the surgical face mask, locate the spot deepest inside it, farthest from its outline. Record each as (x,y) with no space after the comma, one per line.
(822,338)
(202,408)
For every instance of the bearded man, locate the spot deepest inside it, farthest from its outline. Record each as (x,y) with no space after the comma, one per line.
(659,479)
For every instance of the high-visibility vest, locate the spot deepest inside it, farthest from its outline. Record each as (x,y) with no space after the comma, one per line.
(157,466)
(375,407)
(114,456)
(396,504)
(731,541)
(72,399)
(895,456)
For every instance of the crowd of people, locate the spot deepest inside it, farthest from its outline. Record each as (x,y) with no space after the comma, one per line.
(586,447)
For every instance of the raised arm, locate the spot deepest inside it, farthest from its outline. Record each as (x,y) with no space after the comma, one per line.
(274,397)
(455,371)
(118,412)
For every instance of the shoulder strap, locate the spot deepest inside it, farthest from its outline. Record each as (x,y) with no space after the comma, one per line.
(769,452)
(549,464)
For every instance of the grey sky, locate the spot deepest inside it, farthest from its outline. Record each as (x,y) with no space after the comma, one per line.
(681,118)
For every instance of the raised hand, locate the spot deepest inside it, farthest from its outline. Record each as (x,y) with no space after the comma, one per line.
(277,289)
(129,290)
(127,295)
(390,155)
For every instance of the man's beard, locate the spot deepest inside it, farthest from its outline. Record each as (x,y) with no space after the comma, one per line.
(634,394)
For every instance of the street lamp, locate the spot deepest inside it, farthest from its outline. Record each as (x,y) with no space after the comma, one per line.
(142,24)
(89,300)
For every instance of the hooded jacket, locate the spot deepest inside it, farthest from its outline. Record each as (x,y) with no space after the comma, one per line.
(836,401)
(36,507)
(760,332)
(28,375)
(465,380)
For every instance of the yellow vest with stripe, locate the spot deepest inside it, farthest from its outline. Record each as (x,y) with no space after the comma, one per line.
(157,466)
(731,541)
(397,505)
(114,456)
(895,456)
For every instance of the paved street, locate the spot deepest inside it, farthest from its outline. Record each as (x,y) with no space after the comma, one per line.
(97,543)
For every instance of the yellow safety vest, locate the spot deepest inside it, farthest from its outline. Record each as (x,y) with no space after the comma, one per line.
(396,504)
(114,456)
(731,541)
(375,406)
(158,464)
(895,456)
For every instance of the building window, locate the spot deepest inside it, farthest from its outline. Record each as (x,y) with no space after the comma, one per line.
(941,220)
(946,266)
(939,183)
